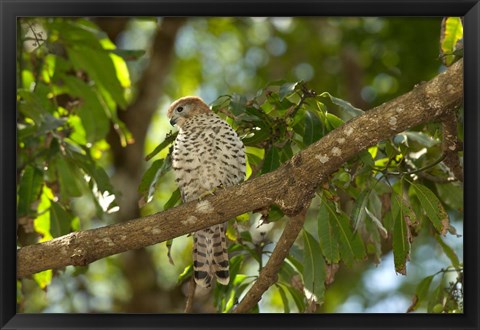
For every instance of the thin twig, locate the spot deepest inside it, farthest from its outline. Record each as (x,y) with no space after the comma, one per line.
(268,275)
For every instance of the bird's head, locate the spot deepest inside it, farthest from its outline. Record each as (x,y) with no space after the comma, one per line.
(185,108)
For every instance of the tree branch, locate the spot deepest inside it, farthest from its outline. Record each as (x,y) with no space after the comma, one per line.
(268,276)
(291,186)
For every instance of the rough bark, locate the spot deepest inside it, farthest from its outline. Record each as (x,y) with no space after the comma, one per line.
(291,186)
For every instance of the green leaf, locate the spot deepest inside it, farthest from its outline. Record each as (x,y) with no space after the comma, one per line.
(327,237)
(359,212)
(274,213)
(436,298)
(173,200)
(332,122)
(350,245)
(88,164)
(344,105)
(28,189)
(283,295)
(169,139)
(60,220)
(450,35)
(271,161)
(169,244)
(314,271)
(187,272)
(238,104)
(377,223)
(262,132)
(69,178)
(433,208)
(287,89)
(74,32)
(91,111)
(448,252)
(127,54)
(235,264)
(148,178)
(401,234)
(100,67)
(421,138)
(313,128)
(123,75)
(298,298)
(451,194)
(43,279)
(420,293)
(42,222)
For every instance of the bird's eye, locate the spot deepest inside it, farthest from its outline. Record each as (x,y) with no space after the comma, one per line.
(179,109)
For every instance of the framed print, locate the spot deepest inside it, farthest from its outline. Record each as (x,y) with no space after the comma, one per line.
(222,164)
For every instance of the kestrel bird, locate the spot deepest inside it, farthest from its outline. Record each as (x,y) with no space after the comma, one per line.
(207,154)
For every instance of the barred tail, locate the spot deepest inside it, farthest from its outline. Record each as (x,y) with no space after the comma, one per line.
(210,257)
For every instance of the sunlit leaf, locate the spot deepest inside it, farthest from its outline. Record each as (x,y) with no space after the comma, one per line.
(451,33)
(43,279)
(187,272)
(42,222)
(100,67)
(122,70)
(244,217)
(91,111)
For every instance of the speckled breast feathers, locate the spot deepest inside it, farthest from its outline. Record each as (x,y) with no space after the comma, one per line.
(207,155)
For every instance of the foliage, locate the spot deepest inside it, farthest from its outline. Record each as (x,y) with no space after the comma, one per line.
(73,81)
(285,118)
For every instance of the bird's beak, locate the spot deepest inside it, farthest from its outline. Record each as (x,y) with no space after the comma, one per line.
(173,121)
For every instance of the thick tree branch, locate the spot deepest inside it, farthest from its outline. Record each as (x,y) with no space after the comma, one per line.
(268,276)
(291,186)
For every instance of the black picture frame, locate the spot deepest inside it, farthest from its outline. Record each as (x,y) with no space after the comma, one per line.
(11,9)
